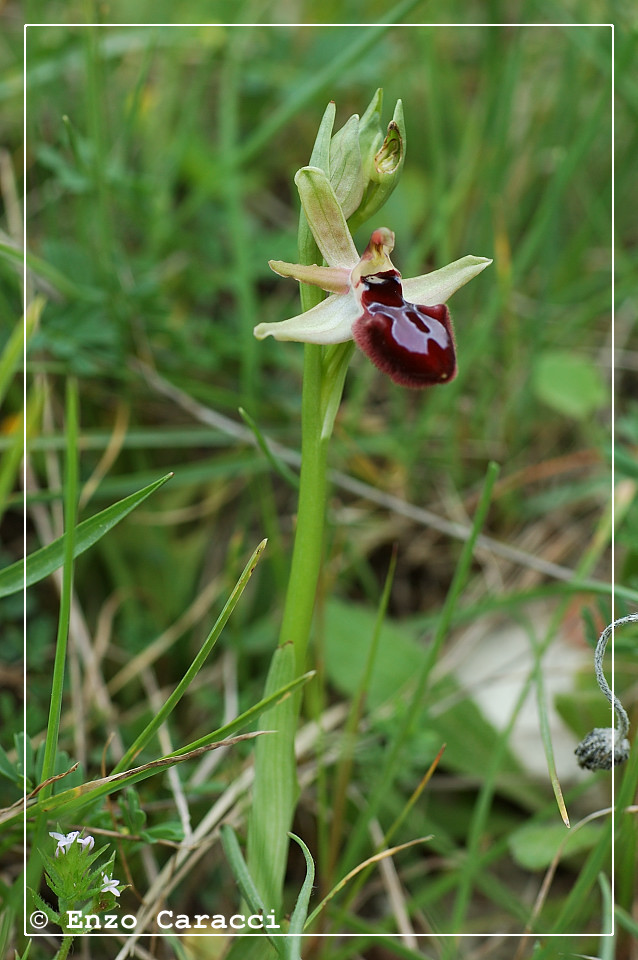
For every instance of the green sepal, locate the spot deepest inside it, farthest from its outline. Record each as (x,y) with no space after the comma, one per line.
(320,157)
(325,217)
(346,169)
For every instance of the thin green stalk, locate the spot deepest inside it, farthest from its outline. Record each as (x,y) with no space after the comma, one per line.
(34,866)
(308,547)
(63,952)
(101,235)
(276,791)
(70,522)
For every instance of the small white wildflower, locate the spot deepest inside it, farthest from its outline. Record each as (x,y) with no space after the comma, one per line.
(110,885)
(64,841)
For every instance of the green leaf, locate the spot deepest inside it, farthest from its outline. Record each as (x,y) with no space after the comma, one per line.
(45,907)
(44,561)
(133,815)
(276,463)
(299,914)
(80,794)
(349,630)
(335,367)
(241,721)
(170,831)
(246,884)
(235,858)
(49,273)
(275,789)
(535,845)
(569,383)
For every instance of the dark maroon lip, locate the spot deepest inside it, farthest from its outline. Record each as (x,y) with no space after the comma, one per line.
(412,343)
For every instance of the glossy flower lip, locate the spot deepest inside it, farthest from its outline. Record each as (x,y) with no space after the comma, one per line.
(412,343)
(403,326)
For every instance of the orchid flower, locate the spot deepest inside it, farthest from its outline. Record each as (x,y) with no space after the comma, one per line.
(403,326)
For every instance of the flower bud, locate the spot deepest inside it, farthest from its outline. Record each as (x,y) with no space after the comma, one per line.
(389,159)
(382,158)
(370,133)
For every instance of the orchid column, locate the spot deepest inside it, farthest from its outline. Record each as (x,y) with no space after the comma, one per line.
(350,176)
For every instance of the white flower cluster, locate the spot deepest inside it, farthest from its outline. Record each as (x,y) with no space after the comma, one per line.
(110,885)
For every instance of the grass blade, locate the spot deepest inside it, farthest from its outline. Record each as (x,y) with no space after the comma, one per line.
(246,884)
(67,545)
(249,715)
(12,352)
(72,800)
(179,691)
(44,561)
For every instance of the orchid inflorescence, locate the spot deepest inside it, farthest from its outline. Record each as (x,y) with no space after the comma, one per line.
(403,326)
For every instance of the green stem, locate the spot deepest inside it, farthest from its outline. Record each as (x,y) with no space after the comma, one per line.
(308,547)
(276,790)
(63,952)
